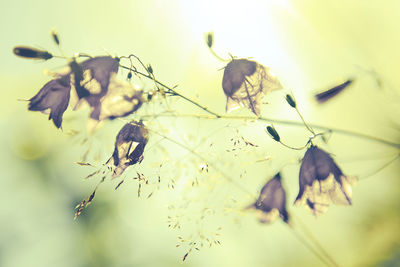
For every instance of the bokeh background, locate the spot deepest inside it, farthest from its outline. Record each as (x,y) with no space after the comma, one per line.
(310,45)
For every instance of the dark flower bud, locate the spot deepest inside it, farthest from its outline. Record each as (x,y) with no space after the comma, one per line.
(150,69)
(129,76)
(272,201)
(32,53)
(330,93)
(322,182)
(274,134)
(290,101)
(54,34)
(129,147)
(210,39)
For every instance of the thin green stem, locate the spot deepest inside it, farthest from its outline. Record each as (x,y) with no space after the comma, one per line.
(225,176)
(314,240)
(309,126)
(304,122)
(217,56)
(172,90)
(382,167)
(309,247)
(283,122)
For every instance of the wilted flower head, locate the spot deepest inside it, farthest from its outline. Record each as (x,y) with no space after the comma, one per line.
(129,147)
(322,182)
(245,83)
(120,100)
(54,95)
(272,201)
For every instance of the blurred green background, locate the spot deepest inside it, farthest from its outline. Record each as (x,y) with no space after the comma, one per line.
(310,45)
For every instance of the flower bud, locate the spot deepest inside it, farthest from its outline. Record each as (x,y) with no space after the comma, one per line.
(210,39)
(150,69)
(274,134)
(54,34)
(33,53)
(290,101)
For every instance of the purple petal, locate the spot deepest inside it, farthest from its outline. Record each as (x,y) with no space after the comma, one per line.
(54,95)
(273,196)
(235,73)
(129,147)
(100,70)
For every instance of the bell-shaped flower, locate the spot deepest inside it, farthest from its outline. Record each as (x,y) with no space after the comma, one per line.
(54,95)
(322,182)
(91,80)
(129,147)
(245,83)
(95,82)
(272,201)
(121,99)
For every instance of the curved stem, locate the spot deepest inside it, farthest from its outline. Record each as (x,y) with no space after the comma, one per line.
(310,235)
(217,56)
(309,247)
(284,122)
(173,91)
(304,122)
(225,176)
(309,126)
(381,168)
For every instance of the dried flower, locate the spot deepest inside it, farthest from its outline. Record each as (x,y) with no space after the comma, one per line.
(95,81)
(272,201)
(129,147)
(322,182)
(328,94)
(121,100)
(246,82)
(54,95)
(94,76)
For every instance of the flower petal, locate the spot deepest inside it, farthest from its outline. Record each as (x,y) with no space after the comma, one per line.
(95,74)
(246,82)
(129,147)
(272,201)
(54,95)
(121,100)
(322,182)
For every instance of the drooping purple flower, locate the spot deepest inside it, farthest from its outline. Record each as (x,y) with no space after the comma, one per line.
(272,201)
(129,147)
(245,83)
(322,182)
(54,95)
(330,93)
(95,82)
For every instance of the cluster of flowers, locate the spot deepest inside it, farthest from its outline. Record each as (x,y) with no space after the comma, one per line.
(321,182)
(244,83)
(95,82)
